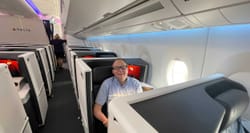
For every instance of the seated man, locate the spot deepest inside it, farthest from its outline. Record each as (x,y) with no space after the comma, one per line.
(118,85)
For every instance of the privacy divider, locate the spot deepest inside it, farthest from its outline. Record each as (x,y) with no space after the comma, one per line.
(207,105)
(29,69)
(43,62)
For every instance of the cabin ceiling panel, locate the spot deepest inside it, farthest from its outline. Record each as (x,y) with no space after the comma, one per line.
(16,7)
(48,7)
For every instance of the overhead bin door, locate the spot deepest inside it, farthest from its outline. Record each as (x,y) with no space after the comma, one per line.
(192,6)
(92,11)
(145,12)
(211,18)
(237,14)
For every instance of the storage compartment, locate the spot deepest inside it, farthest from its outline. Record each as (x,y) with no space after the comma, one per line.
(237,14)
(192,6)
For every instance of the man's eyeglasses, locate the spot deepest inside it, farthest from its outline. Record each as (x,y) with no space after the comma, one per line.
(124,67)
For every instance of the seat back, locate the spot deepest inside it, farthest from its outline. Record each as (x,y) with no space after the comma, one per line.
(99,74)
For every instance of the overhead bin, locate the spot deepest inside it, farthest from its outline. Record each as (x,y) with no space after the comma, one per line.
(158,15)
(20,30)
(192,6)
(211,18)
(83,15)
(148,11)
(181,22)
(237,14)
(133,29)
(100,9)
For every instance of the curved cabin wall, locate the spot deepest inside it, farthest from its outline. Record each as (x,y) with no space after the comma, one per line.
(203,49)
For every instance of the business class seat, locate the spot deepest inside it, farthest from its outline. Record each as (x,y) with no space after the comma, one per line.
(101,70)
(99,74)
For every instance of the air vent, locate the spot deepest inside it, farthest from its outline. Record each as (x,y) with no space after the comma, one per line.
(142,11)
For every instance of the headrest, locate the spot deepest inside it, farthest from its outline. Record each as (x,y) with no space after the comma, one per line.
(235,102)
(105,54)
(101,73)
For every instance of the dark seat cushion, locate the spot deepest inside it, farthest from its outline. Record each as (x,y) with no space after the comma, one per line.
(233,97)
(235,102)
(99,75)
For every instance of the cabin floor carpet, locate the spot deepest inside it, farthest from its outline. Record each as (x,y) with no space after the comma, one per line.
(63,113)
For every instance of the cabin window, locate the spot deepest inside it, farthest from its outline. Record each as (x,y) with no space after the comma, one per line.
(177,72)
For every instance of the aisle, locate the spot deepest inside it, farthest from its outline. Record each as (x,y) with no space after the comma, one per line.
(63,113)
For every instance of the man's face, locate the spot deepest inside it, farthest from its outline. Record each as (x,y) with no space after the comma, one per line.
(120,70)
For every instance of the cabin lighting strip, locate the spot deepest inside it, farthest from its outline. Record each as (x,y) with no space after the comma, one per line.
(34,7)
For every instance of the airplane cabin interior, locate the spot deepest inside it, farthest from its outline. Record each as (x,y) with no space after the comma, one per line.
(190,58)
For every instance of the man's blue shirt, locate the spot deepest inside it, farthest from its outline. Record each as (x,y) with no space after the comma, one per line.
(111,88)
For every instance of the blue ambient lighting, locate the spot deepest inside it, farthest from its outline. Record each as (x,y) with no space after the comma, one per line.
(34,7)
(232,28)
(172,32)
(144,34)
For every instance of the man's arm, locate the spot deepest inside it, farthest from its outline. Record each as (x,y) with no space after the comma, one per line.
(99,114)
